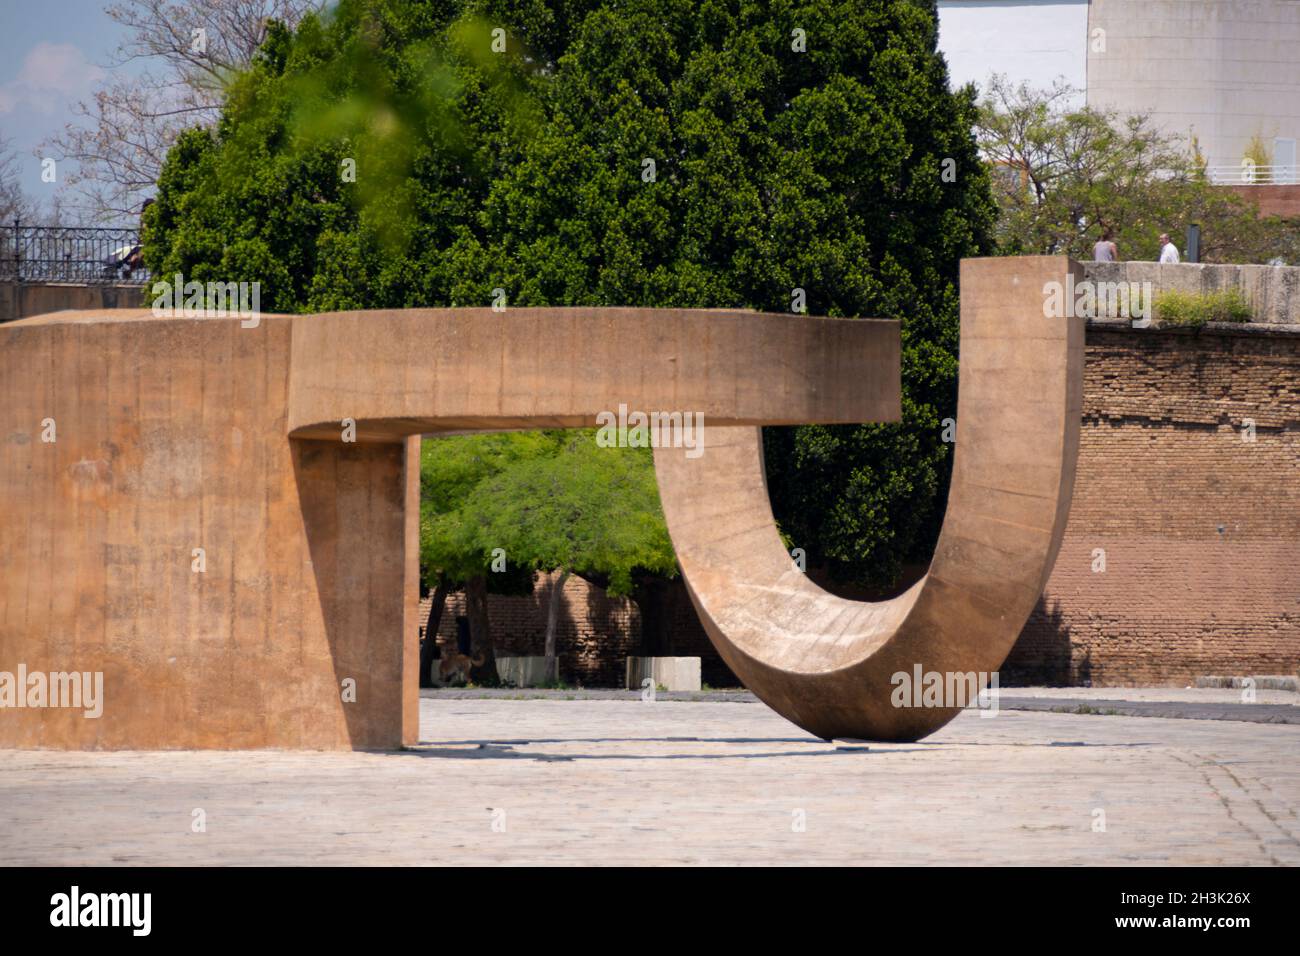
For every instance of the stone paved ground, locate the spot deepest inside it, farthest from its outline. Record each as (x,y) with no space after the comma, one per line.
(1260,713)
(611,781)
(1203,695)
(1269,707)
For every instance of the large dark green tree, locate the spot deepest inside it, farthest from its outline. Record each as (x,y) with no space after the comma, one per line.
(794,146)
(728,153)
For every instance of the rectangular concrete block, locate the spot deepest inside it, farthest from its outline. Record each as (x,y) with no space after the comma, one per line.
(234,588)
(669,673)
(522,671)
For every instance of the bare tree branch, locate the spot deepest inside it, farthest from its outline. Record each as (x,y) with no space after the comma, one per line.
(119,139)
(13,203)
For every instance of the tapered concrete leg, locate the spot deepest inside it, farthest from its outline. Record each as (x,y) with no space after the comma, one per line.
(234,588)
(829,664)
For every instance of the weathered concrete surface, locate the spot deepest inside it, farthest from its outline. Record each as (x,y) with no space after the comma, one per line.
(1221,70)
(416,371)
(170,437)
(1269,707)
(608,783)
(1256,713)
(519,671)
(174,434)
(1180,695)
(827,663)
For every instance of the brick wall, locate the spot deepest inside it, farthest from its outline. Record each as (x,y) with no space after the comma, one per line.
(1200,529)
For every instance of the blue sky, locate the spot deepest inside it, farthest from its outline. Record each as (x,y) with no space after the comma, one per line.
(52,54)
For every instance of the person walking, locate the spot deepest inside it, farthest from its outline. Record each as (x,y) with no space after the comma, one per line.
(1168,251)
(1105,250)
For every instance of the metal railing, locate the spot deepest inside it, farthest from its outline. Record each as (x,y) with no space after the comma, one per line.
(1250,174)
(80,254)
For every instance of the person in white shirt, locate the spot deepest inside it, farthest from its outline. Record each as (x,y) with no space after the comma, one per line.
(1168,251)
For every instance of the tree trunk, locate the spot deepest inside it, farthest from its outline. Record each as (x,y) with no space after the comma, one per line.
(480,631)
(656,598)
(431,631)
(552,616)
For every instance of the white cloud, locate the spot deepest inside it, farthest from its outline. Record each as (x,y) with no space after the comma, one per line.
(52,76)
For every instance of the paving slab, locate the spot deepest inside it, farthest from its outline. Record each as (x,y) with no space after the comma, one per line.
(1173,702)
(499,781)
(1257,713)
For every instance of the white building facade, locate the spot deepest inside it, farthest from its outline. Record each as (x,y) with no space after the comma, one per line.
(1226,72)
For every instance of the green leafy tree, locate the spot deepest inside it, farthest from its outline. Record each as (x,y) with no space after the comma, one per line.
(582,509)
(452,556)
(1066,173)
(744,154)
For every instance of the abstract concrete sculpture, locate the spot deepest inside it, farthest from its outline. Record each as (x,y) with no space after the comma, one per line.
(827,664)
(182,509)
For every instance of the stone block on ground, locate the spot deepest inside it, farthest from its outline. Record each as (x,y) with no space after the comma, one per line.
(522,671)
(669,673)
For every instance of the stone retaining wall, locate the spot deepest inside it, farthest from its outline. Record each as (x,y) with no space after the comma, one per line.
(1272,291)
(18,300)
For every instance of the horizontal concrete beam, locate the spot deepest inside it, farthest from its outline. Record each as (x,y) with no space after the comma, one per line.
(416,371)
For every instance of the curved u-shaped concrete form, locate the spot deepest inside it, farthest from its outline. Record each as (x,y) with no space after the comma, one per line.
(184,518)
(827,663)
